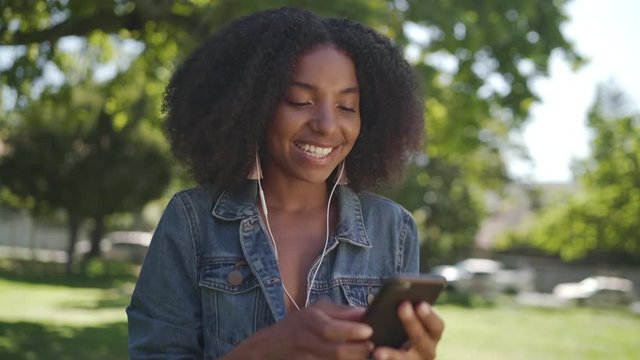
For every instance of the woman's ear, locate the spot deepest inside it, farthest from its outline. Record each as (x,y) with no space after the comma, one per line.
(255,171)
(342,174)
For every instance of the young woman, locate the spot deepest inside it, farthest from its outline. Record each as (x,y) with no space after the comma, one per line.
(285,119)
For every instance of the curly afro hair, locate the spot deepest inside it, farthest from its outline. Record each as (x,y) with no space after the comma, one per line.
(218,102)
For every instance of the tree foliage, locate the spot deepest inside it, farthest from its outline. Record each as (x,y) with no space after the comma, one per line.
(447,212)
(66,152)
(602,219)
(475,61)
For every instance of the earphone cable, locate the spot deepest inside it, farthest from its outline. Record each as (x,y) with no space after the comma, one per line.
(263,204)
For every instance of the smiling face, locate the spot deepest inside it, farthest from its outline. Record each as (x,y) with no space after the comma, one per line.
(317,122)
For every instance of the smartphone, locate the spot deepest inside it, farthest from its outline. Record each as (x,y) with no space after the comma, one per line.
(382,313)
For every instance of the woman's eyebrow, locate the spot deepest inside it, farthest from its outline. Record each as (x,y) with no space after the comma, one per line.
(307,86)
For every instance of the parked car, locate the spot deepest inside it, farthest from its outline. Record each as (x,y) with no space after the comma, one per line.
(597,291)
(515,280)
(450,273)
(479,276)
(126,246)
(485,277)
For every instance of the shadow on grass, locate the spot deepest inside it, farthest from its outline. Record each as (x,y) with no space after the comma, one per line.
(34,341)
(97,273)
(116,298)
(465,300)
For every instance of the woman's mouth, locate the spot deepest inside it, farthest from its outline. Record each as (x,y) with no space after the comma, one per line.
(317,152)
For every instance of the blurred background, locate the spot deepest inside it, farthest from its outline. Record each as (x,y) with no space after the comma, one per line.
(527,195)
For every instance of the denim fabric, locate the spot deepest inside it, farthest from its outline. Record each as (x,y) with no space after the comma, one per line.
(186,305)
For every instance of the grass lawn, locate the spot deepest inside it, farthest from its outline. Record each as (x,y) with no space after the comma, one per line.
(45,314)
(515,332)
(48,315)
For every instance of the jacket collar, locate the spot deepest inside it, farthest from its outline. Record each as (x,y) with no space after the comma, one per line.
(240,203)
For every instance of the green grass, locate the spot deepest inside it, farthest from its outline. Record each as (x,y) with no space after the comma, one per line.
(511,331)
(45,314)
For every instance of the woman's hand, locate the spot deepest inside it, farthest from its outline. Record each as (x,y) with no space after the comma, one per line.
(320,331)
(424,328)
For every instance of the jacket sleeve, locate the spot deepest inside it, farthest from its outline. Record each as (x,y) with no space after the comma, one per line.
(409,246)
(165,320)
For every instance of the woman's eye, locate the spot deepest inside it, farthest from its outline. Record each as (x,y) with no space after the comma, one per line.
(346,108)
(299,103)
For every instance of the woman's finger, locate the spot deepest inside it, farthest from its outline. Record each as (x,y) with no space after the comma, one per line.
(351,350)
(431,320)
(329,325)
(420,339)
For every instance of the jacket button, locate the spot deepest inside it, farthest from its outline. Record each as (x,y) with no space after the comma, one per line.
(248,226)
(234,278)
(370,298)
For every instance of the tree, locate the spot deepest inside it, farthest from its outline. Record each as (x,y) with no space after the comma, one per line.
(601,220)
(65,153)
(475,60)
(446,211)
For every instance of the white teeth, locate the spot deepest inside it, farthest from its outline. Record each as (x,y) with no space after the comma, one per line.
(315,151)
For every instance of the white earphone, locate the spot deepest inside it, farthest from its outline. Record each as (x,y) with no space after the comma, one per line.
(263,203)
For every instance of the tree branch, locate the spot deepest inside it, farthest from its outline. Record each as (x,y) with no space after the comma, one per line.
(78,27)
(108,23)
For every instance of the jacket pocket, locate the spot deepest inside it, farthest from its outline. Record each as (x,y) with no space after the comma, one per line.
(228,275)
(232,303)
(360,294)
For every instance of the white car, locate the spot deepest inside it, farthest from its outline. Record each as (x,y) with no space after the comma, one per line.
(450,273)
(126,246)
(597,291)
(479,276)
(486,277)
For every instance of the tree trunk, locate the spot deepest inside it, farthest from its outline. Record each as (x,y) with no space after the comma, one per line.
(96,237)
(74,226)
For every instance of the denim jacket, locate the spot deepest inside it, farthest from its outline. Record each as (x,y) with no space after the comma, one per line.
(210,278)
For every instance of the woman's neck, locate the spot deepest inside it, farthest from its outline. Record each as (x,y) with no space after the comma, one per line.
(294,195)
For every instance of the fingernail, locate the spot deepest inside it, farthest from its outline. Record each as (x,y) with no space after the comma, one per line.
(365,331)
(382,355)
(424,309)
(406,309)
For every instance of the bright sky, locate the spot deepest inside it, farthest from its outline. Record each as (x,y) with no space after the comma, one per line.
(606,33)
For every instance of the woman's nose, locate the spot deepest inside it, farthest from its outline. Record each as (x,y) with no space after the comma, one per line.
(324,118)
